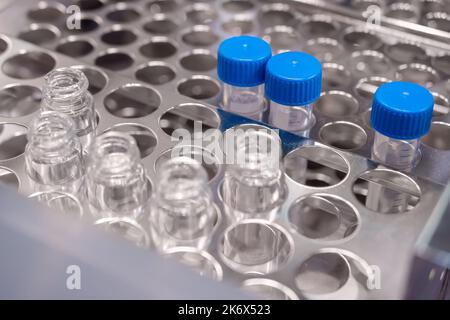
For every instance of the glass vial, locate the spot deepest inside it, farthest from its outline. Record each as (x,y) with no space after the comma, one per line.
(293,84)
(53,155)
(117,184)
(401,115)
(241,67)
(182,211)
(254,185)
(66,91)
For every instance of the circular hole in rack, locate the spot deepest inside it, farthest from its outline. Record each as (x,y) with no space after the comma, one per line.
(441,105)
(9,178)
(145,138)
(319,26)
(324,49)
(200,13)
(155,73)
(28,65)
(185,116)
(369,63)
(323,274)
(403,11)
(363,5)
(438,20)
(19,100)
(268,289)
(132,101)
(119,37)
(114,61)
(123,15)
(3,45)
(442,63)
(437,138)
(13,139)
(39,34)
(337,104)
(281,38)
(199,88)
(238,26)
(126,228)
(323,216)
(315,166)
(60,202)
(361,40)
(160,26)
(386,191)
(366,87)
(255,247)
(46,12)
(237,6)
(209,162)
(88,5)
(158,48)
(404,52)
(343,135)
(162,6)
(277,14)
(75,48)
(335,76)
(418,73)
(201,261)
(97,79)
(200,36)
(86,25)
(199,60)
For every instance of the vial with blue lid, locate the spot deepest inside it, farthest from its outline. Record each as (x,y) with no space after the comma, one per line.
(293,84)
(401,115)
(241,65)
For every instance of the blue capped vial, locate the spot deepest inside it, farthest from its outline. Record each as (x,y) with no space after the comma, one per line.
(293,84)
(401,115)
(241,65)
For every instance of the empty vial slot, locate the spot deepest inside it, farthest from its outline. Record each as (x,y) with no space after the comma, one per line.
(324,49)
(19,100)
(191,117)
(438,137)
(335,76)
(9,178)
(343,135)
(74,47)
(13,139)
(281,38)
(40,34)
(277,14)
(199,88)
(369,63)
(404,52)
(366,87)
(337,104)
(156,73)
(323,217)
(132,101)
(199,60)
(114,60)
(418,73)
(97,79)
(315,166)
(238,26)
(268,289)
(255,247)
(29,65)
(200,261)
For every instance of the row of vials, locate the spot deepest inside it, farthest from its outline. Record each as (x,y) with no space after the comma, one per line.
(103,173)
(290,83)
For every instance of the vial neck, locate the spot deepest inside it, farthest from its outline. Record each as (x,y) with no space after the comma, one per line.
(66,90)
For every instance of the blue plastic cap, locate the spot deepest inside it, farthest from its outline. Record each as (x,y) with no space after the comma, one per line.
(402,110)
(242,61)
(293,78)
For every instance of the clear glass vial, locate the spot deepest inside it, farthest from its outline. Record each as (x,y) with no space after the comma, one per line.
(293,84)
(66,91)
(53,155)
(182,211)
(401,115)
(254,185)
(241,67)
(117,184)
